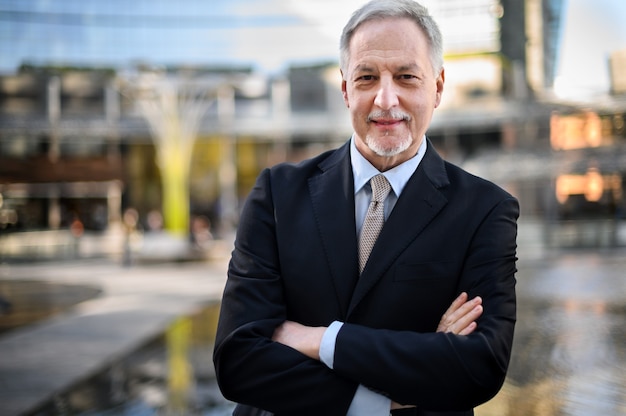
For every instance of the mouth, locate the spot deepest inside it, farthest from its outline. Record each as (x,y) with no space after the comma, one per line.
(387,122)
(387,125)
(388,119)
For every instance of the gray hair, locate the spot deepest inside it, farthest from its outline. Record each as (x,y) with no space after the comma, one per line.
(380,9)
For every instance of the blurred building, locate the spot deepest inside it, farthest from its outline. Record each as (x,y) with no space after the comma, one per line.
(617,63)
(75,145)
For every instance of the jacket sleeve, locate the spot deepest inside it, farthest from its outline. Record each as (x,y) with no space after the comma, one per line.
(439,371)
(250,367)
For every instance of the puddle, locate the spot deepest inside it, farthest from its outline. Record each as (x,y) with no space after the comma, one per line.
(172,374)
(25,302)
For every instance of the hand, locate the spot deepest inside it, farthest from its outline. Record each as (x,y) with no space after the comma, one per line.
(395,406)
(460,318)
(305,339)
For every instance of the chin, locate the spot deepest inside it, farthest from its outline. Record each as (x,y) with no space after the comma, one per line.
(388,146)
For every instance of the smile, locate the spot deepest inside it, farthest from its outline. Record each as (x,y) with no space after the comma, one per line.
(388,118)
(387,122)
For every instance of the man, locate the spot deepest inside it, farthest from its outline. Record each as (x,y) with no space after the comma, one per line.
(422,326)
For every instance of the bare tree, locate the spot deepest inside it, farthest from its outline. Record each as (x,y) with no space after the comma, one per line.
(174,106)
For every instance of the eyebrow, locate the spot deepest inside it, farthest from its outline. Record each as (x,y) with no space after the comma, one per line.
(408,67)
(363,68)
(368,69)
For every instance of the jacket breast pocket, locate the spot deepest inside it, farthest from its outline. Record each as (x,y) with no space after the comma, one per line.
(423,292)
(431,272)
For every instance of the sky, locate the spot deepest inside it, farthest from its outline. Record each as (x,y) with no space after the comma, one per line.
(265,34)
(592,29)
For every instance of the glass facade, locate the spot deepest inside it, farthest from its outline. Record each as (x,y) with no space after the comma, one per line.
(116,32)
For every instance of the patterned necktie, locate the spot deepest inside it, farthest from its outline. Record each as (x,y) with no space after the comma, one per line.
(374,219)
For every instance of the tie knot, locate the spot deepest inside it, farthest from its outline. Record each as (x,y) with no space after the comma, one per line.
(380,188)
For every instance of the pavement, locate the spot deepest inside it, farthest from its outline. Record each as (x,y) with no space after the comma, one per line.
(136,303)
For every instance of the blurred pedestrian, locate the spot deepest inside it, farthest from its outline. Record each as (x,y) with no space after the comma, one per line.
(154,221)
(77,229)
(201,236)
(130,220)
(312,322)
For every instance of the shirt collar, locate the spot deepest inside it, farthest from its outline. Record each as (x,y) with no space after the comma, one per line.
(363,170)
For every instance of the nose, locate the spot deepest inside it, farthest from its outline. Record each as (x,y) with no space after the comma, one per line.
(387,95)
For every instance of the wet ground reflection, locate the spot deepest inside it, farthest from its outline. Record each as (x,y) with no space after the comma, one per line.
(569,354)
(170,375)
(24,302)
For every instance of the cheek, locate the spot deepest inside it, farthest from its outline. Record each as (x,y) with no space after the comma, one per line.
(359,115)
(359,104)
(421,105)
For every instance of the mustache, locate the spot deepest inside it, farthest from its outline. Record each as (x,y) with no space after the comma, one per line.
(388,114)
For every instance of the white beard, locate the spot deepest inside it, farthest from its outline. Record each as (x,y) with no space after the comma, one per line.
(379,146)
(388,150)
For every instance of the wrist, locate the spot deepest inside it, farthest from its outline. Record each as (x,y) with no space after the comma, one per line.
(316,335)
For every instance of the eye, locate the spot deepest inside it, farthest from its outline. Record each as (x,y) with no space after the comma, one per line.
(366,78)
(407,77)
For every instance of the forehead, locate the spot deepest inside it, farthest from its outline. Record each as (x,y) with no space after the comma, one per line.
(391,40)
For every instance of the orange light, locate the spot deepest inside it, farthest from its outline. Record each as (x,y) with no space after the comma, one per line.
(594,187)
(591,185)
(576,131)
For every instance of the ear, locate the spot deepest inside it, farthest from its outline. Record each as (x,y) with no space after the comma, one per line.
(439,81)
(344,90)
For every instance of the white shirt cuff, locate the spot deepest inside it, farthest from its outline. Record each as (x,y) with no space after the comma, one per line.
(365,401)
(327,346)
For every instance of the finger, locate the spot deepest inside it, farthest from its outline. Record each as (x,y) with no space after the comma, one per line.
(469,329)
(396,406)
(466,308)
(458,320)
(453,315)
(447,319)
(467,323)
(458,302)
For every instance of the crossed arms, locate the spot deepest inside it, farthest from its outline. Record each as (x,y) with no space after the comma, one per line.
(459,319)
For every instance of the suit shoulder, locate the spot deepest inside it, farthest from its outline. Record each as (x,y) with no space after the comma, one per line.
(302,169)
(473,183)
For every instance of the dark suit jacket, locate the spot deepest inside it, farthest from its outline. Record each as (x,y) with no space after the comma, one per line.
(295,258)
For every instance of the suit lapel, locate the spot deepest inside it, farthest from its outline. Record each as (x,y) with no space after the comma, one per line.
(420,202)
(332,196)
